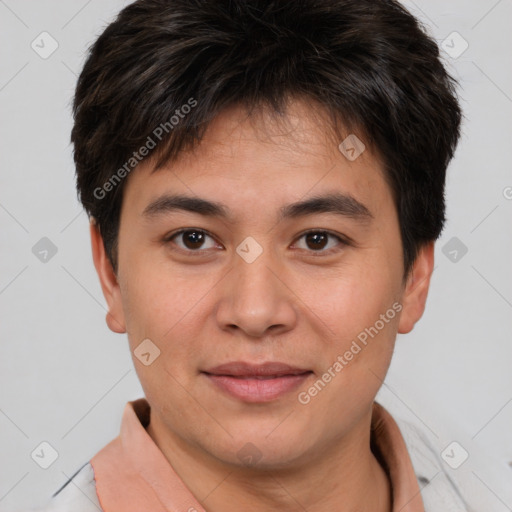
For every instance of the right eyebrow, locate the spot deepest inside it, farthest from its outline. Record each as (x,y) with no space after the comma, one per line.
(169,203)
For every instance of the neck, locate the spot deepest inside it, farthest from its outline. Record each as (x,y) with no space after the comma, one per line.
(345,477)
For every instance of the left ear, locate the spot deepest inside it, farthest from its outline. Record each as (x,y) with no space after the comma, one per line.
(416,289)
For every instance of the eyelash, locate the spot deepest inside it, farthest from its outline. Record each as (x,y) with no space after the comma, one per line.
(344,241)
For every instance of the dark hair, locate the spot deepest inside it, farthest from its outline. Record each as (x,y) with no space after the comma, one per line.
(369,63)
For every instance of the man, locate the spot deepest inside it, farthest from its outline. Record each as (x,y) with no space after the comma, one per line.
(265,185)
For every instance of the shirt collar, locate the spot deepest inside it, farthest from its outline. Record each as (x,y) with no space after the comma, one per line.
(132,474)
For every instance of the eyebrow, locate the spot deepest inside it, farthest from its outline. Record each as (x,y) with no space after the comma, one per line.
(337,203)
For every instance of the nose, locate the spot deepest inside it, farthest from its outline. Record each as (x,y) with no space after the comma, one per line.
(256,299)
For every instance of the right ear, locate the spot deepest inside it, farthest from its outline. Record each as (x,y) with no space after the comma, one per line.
(108,280)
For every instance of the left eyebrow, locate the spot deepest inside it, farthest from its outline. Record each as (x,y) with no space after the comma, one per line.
(337,203)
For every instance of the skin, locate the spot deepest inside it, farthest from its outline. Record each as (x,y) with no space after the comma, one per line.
(294,304)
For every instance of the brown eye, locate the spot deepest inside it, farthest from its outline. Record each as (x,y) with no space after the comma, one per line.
(316,241)
(192,240)
(321,241)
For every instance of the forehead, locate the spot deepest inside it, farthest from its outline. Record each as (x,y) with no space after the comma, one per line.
(262,159)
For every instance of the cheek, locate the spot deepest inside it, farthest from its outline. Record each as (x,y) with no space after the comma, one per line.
(158,297)
(361,311)
(362,316)
(348,301)
(160,309)
(171,308)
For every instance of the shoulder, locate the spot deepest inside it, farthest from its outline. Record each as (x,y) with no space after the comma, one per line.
(438,489)
(77,494)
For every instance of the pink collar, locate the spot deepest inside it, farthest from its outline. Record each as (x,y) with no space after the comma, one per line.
(132,474)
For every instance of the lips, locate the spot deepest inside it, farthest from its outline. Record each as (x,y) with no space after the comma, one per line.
(241,369)
(257,383)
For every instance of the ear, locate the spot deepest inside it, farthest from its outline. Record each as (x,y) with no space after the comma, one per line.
(416,289)
(108,280)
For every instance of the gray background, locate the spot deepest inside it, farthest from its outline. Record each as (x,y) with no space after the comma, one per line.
(65,378)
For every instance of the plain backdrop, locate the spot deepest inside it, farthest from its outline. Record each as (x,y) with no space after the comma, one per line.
(65,378)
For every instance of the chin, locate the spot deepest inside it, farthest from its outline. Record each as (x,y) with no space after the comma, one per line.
(259,452)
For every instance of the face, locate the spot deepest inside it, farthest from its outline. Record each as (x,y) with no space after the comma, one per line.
(275,323)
